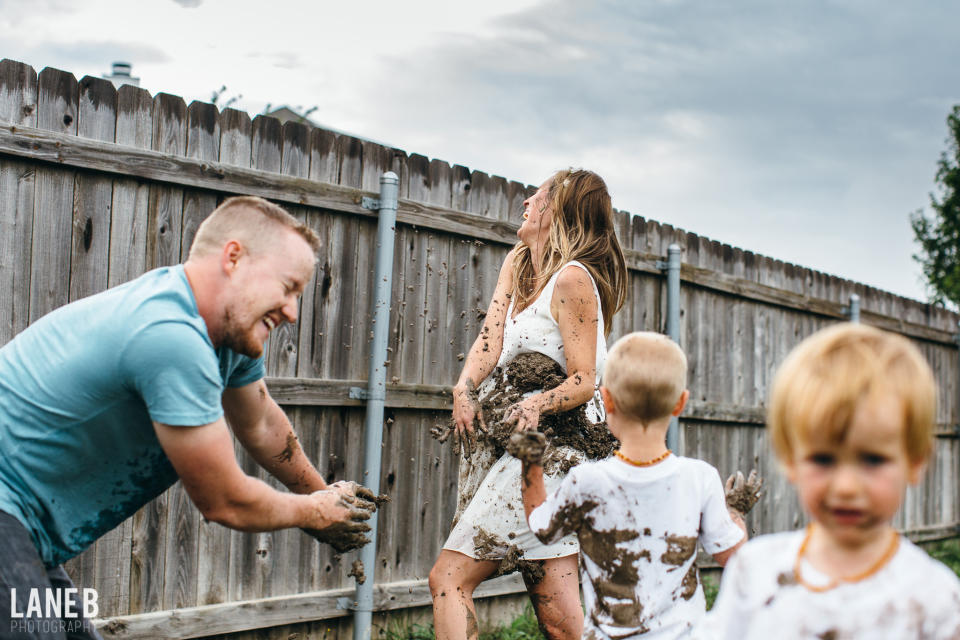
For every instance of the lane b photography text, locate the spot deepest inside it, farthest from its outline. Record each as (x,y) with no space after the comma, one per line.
(50,610)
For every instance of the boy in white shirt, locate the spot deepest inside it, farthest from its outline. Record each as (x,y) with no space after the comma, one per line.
(639,515)
(851,420)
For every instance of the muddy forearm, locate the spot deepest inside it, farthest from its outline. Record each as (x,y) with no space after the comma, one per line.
(482,357)
(570,394)
(276,448)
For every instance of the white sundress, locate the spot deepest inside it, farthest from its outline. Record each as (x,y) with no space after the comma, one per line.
(489,501)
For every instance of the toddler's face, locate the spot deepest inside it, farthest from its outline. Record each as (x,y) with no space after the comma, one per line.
(854,488)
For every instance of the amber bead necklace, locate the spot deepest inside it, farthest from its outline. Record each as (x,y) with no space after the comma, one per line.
(642,463)
(835,582)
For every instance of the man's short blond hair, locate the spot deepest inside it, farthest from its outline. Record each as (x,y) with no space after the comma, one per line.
(824,379)
(253,221)
(645,373)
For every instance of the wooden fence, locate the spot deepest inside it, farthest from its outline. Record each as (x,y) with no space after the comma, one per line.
(98,185)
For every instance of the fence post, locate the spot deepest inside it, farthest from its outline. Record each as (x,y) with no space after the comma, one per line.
(673,327)
(956,426)
(853,311)
(376,389)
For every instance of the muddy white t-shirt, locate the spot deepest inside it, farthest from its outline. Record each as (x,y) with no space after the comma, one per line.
(638,529)
(913,596)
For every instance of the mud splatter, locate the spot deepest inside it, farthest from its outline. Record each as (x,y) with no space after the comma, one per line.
(830,634)
(287,454)
(473,630)
(786,579)
(690,583)
(679,549)
(489,546)
(356,571)
(568,519)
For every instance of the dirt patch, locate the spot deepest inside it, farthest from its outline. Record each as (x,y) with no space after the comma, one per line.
(287,454)
(356,571)
(679,549)
(568,519)
(472,629)
(690,583)
(786,579)
(489,546)
(530,372)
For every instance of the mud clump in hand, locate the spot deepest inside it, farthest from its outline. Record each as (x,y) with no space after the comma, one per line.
(527,446)
(742,494)
(349,534)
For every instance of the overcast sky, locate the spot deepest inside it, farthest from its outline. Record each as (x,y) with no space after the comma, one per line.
(806,130)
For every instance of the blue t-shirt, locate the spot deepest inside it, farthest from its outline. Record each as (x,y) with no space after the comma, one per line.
(78,391)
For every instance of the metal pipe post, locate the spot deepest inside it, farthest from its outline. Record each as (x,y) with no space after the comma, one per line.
(673,328)
(376,390)
(854,308)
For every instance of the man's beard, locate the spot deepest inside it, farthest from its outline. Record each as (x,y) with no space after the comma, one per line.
(239,339)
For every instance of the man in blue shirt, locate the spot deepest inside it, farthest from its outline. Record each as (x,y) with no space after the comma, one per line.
(107,401)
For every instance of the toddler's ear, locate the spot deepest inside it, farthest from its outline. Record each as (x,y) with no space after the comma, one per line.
(915,473)
(607,398)
(681,403)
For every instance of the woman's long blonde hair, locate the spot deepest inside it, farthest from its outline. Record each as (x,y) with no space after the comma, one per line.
(581,230)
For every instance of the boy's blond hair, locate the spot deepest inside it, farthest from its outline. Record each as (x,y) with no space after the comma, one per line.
(645,373)
(251,220)
(823,380)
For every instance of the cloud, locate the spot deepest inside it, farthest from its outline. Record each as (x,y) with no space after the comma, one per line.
(189,4)
(770,125)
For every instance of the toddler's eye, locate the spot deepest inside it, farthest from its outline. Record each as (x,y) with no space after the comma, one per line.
(821,459)
(872,459)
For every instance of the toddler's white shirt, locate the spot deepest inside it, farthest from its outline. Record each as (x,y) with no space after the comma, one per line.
(638,529)
(913,596)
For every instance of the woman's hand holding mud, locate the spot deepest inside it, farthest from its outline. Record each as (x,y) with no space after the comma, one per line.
(339,516)
(524,414)
(466,412)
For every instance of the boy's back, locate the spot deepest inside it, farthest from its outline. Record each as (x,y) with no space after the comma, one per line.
(911,596)
(639,528)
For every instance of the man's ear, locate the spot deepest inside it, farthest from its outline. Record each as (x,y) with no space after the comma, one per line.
(230,256)
(607,398)
(681,403)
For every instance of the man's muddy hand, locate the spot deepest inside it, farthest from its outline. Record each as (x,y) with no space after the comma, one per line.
(742,494)
(359,495)
(340,515)
(528,446)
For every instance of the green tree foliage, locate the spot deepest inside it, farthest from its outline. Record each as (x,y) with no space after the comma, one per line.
(939,235)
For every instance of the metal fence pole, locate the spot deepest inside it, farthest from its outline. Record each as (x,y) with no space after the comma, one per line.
(376,390)
(854,309)
(673,328)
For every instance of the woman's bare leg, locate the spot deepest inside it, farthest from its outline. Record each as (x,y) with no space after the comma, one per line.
(452,580)
(556,599)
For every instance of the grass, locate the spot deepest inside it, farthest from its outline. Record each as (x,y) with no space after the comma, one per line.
(523,627)
(947,552)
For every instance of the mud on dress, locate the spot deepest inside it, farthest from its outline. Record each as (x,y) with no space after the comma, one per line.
(489,505)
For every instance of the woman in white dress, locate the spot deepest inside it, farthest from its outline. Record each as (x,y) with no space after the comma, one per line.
(556,294)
